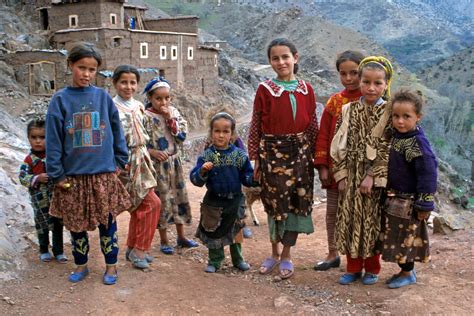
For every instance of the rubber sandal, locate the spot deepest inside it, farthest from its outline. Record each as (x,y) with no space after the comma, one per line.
(247,232)
(243,266)
(269,264)
(402,281)
(148,257)
(78,276)
(138,262)
(326,265)
(370,278)
(348,278)
(166,249)
(46,257)
(286,265)
(110,279)
(61,258)
(210,269)
(187,243)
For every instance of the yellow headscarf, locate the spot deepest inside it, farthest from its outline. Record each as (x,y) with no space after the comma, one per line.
(387,67)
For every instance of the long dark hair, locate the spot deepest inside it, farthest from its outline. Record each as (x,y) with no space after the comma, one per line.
(35,123)
(349,55)
(283,42)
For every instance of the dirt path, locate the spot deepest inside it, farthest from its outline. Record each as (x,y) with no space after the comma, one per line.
(178,285)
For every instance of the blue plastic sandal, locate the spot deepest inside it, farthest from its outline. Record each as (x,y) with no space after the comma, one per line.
(78,276)
(370,278)
(348,278)
(46,257)
(403,281)
(187,243)
(247,232)
(110,279)
(166,249)
(243,266)
(61,258)
(210,269)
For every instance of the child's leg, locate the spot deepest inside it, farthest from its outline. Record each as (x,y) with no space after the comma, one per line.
(288,241)
(132,230)
(372,264)
(109,243)
(236,254)
(80,249)
(180,231)
(147,216)
(216,256)
(163,236)
(57,236)
(43,240)
(354,265)
(331,210)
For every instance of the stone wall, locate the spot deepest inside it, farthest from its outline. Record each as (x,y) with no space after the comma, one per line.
(174,24)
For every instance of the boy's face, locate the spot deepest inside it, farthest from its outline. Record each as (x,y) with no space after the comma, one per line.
(36,138)
(221,133)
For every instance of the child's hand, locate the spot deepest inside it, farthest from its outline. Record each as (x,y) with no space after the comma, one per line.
(341,185)
(206,167)
(63,184)
(256,171)
(159,155)
(165,111)
(323,172)
(43,178)
(422,215)
(366,185)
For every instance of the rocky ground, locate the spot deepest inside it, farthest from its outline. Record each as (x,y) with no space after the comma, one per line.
(177,284)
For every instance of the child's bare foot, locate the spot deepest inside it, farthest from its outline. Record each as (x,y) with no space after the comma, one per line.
(268,264)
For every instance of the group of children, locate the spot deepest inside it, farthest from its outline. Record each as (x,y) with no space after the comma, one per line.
(105,156)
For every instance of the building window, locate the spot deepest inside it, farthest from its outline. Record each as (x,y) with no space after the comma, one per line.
(215,60)
(162,52)
(161,73)
(116,41)
(174,52)
(73,21)
(143,50)
(113,19)
(217,45)
(190,53)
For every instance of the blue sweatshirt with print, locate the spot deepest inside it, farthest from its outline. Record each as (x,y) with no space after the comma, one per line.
(84,135)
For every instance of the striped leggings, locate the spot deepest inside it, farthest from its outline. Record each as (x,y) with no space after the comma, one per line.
(331,211)
(143,221)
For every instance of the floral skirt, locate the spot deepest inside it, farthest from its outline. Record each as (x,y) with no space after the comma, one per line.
(287,168)
(89,200)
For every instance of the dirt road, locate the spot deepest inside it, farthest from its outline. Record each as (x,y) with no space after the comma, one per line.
(178,285)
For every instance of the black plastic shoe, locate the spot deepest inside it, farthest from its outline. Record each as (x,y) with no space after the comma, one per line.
(326,265)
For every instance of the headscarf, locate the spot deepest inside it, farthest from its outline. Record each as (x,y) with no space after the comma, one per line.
(387,67)
(155,83)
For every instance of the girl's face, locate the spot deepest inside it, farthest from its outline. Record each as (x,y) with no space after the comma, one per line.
(36,137)
(126,85)
(83,71)
(160,98)
(283,62)
(349,75)
(372,85)
(404,116)
(221,133)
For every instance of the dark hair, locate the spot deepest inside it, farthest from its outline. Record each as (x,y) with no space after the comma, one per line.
(125,69)
(283,42)
(405,95)
(35,123)
(223,115)
(349,55)
(84,50)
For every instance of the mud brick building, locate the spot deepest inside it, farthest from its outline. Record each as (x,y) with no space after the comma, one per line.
(167,46)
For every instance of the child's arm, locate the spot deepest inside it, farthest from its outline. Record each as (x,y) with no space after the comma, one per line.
(54,143)
(178,125)
(120,145)
(339,147)
(312,129)
(255,132)
(26,176)
(199,174)
(426,179)
(321,156)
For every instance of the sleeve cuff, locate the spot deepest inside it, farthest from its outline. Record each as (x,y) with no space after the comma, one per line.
(339,175)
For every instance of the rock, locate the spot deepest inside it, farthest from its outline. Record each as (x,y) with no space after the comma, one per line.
(283,301)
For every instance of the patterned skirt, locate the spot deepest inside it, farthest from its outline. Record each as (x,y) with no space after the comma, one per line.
(404,238)
(89,200)
(287,175)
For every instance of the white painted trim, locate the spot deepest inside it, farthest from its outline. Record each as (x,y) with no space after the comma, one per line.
(174,49)
(163,49)
(113,15)
(190,53)
(162,32)
(76,17)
